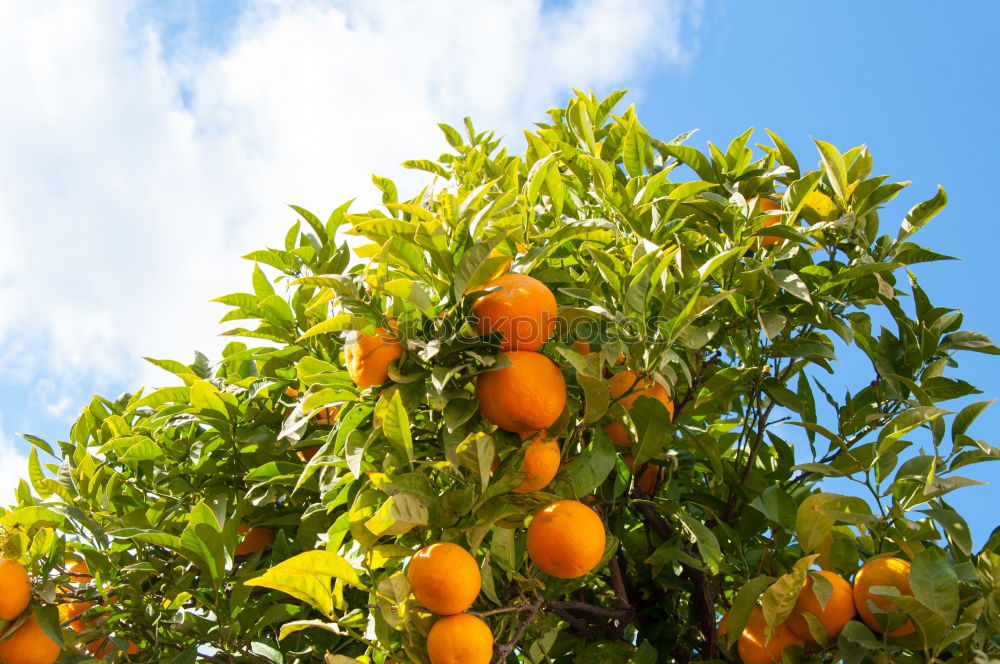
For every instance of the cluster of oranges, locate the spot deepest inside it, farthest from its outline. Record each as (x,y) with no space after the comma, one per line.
(24,642)
(844,602)
(566,539)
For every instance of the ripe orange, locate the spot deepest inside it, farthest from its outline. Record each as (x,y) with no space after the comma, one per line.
(80,573)
(101,647)
(881,572)
(649,478)
(541,462)
(460,639)
(325,417)
(622,382)
(445,578)
(307,453)
(566,539)
(753,646)
(525,397)
(16,589)
(771,240)
(839,608)
(73,609)
(368,357)
(581,346)
(524,310)
(29,645)
(254,540)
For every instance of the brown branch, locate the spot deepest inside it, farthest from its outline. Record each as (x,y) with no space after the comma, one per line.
(702,599)
(502,651)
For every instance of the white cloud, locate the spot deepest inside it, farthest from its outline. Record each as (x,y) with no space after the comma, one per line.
(13,465)
(130,182)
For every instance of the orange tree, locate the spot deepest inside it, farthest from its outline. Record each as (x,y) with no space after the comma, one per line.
(672,316)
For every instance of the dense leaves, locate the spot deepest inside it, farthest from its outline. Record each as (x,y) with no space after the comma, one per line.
(660,259)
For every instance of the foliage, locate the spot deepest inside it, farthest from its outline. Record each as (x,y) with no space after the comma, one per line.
(655,251)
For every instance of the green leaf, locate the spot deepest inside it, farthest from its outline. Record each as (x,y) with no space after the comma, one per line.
(337,323)
(775,503)
(652,426)
(812,525)
(955,527)
(779,599)
(836,170)
(591,467)
(935,584)
(396,426)
(708,543)
(634,150)
(743,605)
(921,213)
(307,576)
(399,514)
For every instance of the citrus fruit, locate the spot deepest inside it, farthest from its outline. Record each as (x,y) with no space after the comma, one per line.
(102,647)
(838,610)
(767,204)
(753,645)
(581,346)
(460,639)
(254,540)
(523,310)
(29,645)
(525,397)
(566,539)
(818,207)
(307,453)
(73,609)
(622,382)
(368,357)
(79,572)
(881,572)
(445,578)
(325,417)
(15,589)
(541,462)
(650,477)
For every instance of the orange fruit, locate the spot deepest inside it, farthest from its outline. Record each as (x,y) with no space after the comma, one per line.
(541,462)
(566,539)
(73,609)
(445,578)
(525,397)
(368,357)
(254,540)
(29,645)
(307,453)
(325,417)
(460,639)
(101,647)
(771,240)
(650,477)
(839,608)
(524,310)
(622,382)
(79,572)
(753,646)
(16,589)
(881,572)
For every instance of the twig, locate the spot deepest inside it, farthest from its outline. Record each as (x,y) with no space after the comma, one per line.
(501,652)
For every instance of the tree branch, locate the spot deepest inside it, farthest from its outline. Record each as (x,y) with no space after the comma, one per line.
(501,652)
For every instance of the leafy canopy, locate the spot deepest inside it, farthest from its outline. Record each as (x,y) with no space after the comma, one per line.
(660,258)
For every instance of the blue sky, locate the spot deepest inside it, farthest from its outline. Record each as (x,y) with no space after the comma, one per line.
(150,144)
